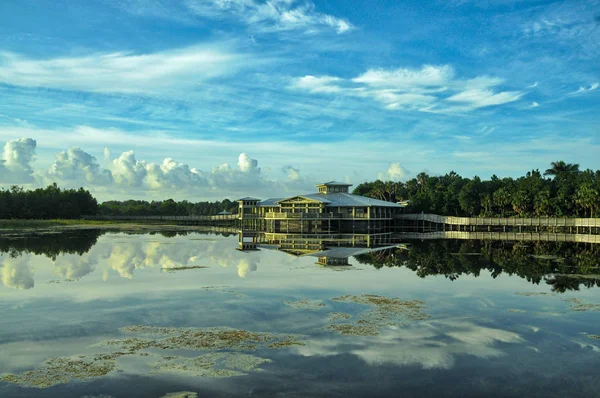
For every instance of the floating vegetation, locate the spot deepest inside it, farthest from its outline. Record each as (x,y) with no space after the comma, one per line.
(61,281)
(336,316)
(529,294)
(305,304)
(173,269)
(181,394)
(385,312)
(516,310)
(576,304)
(222,364)
(223,289)
(594,336)
(61,370)
(200,339)
(355,330)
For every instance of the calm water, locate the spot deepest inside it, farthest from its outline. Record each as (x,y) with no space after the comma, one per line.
(470,319)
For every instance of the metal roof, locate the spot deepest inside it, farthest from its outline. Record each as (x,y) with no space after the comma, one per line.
(249,198)
(270,202)
(334,183)
(223,213)
(311,197)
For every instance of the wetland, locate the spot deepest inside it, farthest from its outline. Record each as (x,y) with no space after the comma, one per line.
(172,312)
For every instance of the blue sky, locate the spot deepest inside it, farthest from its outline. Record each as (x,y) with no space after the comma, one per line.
(203,99)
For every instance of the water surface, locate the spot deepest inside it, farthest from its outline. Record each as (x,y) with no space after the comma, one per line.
(128,315)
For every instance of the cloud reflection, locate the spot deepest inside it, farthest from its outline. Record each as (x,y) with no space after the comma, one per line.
(430,345)
(16,273)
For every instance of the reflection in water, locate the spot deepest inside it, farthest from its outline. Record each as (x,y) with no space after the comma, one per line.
(564,266)
(368,333)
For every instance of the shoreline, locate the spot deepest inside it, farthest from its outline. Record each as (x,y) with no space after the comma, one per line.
(9,227)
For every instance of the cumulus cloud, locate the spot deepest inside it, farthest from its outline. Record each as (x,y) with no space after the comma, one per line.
(292,173)
(15,167)
(245,266)
(125,174)
(431,88)
(16,273)
(394,173)
(77,166)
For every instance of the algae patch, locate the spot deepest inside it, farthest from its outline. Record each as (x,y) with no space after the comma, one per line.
(219,364)
(61,370)
(384,311)
(305,304)
(208,339)
(594,336)
(516,310)
(336,316)
(181,394)
(530,294)
(579,305)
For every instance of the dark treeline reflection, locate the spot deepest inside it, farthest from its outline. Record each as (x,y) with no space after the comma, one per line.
(564,266)
(69,242)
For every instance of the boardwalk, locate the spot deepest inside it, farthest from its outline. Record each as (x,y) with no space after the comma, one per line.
(510,236)
(188,219)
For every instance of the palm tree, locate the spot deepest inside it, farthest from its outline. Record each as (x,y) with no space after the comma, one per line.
(588,198)
(561,168)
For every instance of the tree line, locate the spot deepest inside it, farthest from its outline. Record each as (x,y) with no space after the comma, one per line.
(46,203)
(563,190)
(564,266)
(53,202)
(165,208)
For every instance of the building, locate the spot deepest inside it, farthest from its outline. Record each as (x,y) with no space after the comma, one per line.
(332,209)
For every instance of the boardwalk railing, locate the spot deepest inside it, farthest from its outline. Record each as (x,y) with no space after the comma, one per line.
(510,236)
(492,221)
(228,217)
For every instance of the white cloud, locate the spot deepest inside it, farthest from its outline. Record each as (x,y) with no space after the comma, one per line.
(79,167)
(244,267)
(427,76)
(591,87)
(322,84)
(431,345)
(106,153)
(122,72)
(423,89)
(15,167)
(247,164)
(475,98)
(292,173)
(394,173)
(16,273)
(270,16)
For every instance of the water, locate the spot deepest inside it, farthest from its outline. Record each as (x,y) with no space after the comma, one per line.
(470,319)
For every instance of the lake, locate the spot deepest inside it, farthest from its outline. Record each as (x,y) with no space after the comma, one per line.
(94,313)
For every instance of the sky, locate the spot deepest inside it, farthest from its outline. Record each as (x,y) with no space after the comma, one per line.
(207,99)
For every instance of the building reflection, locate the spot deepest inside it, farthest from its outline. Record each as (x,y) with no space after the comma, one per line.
(331,250)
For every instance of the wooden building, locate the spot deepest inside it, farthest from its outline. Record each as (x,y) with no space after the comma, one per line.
(332,209)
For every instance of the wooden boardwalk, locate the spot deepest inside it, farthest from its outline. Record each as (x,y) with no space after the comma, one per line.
(510,236)
(190,219)
(493,221)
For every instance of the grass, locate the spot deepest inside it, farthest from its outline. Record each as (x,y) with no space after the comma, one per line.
(34,224)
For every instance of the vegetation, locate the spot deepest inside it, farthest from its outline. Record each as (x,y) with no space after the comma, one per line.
(165,208)
(561,191)
(46,203)
(53,203)
(564,266)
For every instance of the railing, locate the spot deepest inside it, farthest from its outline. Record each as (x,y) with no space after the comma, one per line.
(510,236)
(492,221)
(302,215)
(227,217)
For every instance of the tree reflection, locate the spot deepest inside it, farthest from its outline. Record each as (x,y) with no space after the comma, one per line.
(563,266)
